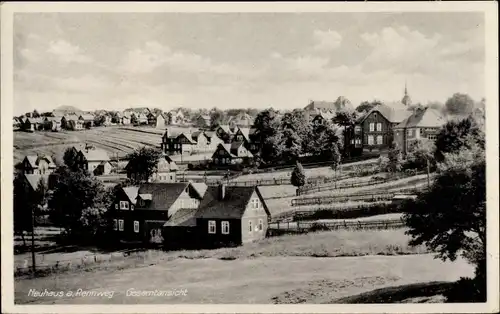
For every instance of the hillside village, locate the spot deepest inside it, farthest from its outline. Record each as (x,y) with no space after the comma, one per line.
(235,186)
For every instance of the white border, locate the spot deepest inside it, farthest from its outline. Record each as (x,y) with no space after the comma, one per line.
(491,26)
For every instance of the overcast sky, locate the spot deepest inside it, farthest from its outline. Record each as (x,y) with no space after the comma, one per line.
(166,60)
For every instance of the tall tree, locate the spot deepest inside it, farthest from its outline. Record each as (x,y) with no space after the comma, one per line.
(457,135)
(342,103)
(216,118)
(459,104)
(421,153)
(298,177)
(143,162)
(70,159)
(73,194)
(450,218)
(346,119)
(366,106)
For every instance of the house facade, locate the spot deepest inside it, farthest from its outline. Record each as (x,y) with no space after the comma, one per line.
(231,216)
(373,132)
(423,123)
(202,121)
(87,120)
(225,132)
(227,155)
(161,120)
(139,212)
(33,124)
(37,164)
(72,123)
(53,123)
(95,161)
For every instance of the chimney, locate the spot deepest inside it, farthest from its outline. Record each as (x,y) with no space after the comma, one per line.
(222,191)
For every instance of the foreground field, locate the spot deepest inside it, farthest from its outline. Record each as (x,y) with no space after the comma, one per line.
(259,280)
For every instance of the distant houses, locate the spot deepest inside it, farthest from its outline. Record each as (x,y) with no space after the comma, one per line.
(423,123)
(231,154)
(166,171)
(38,164)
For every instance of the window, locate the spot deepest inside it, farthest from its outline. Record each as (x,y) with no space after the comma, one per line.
(379,127)
(261,225)
(131,207)
(372,127)
(211,226)
(124,205)
(352,141)
(250,226)
(120,224)
(409,132)
(221,152)
(181,203)
(431,136)
(115,224)
(370,139)
(116,206)
(357,128)
(225,227)
(255,203)
(380,140)
(136,226)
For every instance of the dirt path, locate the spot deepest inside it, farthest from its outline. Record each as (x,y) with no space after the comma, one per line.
(259,280)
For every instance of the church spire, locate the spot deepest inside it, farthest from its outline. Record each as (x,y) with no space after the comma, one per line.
(406,98)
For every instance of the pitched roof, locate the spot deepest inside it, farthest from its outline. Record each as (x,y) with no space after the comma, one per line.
(87,117)
(209,134)
(184,217)
(393,115)
(200,188)
(423,118)
(232,150)
(163,195)
(95,155)
(245,132)
(54,119)
(323,105)
(226,128)
(131,192)
(327,115)
(172,166)
(71,117)
(34,179)
(35,120)
(189,136)
(232,206)
(35,159)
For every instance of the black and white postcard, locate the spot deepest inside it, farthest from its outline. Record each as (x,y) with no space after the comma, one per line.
(250,157)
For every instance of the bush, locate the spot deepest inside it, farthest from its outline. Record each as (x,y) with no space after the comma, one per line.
(467,290)
(190,166)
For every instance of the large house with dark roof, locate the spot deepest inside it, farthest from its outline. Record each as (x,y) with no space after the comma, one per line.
(227,155)
(373,131)
(139,212)
(423,123)
(232,216)
(37,164)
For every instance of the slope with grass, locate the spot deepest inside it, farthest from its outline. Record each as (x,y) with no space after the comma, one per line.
(258,280)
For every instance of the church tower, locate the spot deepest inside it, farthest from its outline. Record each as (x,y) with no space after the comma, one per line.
(406,98)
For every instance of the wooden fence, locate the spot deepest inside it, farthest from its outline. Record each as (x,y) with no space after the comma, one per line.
(340,186)
(367,197)
(306,226)
(25,267)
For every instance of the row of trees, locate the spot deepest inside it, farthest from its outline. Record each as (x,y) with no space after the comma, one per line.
(284,138)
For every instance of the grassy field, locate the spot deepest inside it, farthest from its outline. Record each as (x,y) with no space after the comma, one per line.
(259,280)
(312,172)
(315,268)
(115,140)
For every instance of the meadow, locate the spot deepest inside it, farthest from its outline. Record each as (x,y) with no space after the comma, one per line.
(116,140)
(320,267)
